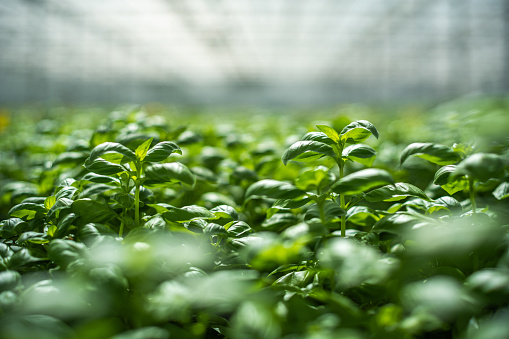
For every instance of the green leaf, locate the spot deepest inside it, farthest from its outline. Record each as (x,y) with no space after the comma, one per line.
(60,204)
(161,151)
(50,201)
(361,215)
(64,225)
(64,252)
(396,223)
(92,211)
(100,179)
(361,153)
(442,175)
(317,178)
(286,205)
(435,153)
(111,147)
(141,151)
(215,229)
(225,211)
(9,280)
(126,200)
(363,180)
(502,191)
(27,211)
(279,221)
(330,132)
(20,258)
(301,147)
(184,214)
(358,131)
(480,166)
(12,226)
(450,186)
(273,189)
(331,210)
(238,229)
(101,166)
(169,172)
(395,192)
(319,137)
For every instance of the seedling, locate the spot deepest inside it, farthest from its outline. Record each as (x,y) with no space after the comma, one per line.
(130,170)
(329,143)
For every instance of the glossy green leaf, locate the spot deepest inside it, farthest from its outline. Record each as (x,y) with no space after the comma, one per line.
(317,136)
(161,151)
(442,178)
(358,131)
(279,221)
(101,166)
(100,179)
(49,202)
(329,132)
(448,203)
(290,203)
(332,212)
(273,189)
(64,252)
(361,215)
(502,191)
(95,189)
(20,258)
(395,192)
(60,204)
(225,211)
(66,192)
(27,211)
(315,179)
(92,211)
(360,153)
(435,153)
(64,225)
(88,232)
(184,214)
(480,166)
(238,229)
(33,237)
(141,150)
(13,226)
(111,147)
(395,223)
(362,181)
(442,175)
(286,205)
(169,172)
(301,147)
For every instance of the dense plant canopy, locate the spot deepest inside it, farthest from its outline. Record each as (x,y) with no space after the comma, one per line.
(359,225)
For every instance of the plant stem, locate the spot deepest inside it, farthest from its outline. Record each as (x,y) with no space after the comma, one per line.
(472,197)
(121,231)
(322,212)
(137,195)
(342,203)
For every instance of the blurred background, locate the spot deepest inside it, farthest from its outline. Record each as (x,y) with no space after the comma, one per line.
(251,52)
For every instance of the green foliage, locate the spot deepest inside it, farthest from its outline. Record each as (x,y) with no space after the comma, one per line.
(129,227)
